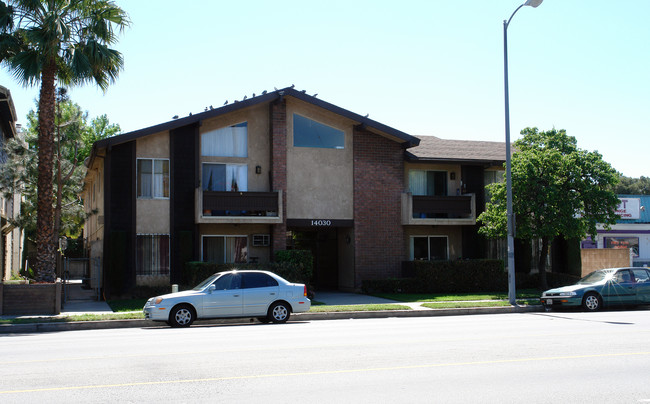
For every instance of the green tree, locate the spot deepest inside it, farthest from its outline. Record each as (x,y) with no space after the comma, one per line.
(65,41)
(20,173)
(558,189)
(633,186)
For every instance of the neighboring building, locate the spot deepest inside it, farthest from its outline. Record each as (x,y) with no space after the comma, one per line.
(277,171)
(631,231)
(11,239)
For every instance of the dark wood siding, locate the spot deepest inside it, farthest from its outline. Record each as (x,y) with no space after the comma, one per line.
(184,180)
(119,220)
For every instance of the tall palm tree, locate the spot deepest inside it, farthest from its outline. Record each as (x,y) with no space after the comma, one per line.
(64,41)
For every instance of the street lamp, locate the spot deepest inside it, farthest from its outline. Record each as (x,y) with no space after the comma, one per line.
(512,293)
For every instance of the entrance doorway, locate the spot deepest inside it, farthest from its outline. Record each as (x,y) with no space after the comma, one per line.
(323,244)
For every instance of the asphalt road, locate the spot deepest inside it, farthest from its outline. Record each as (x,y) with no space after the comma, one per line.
(510,358)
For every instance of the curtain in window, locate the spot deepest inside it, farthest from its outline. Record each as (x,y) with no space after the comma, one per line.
(418,182)
(160,188)
(213,250)
(225,177)
(144,178)
(231,141)
(236,250)
(152,255)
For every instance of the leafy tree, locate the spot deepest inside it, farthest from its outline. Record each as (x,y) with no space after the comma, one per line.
(49,41)
(20,173)
(633,186)
(558,189)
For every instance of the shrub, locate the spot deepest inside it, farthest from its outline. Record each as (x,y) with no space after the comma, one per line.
(294,265)
(462,276)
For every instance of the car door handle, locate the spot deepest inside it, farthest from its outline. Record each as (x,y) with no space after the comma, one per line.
(272,293)
(235,295)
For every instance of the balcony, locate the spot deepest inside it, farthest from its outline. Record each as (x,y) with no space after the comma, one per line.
(238,207)
(438,210)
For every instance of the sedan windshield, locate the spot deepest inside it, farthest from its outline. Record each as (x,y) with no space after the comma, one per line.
(206,282)
(594,277)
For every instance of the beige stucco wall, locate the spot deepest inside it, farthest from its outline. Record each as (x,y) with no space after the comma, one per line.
(93,196)
(453,233)
(600,258)
(320,181)
(152,215)
(257,118)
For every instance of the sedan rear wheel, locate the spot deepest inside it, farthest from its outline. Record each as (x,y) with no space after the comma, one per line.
(592,302)
(181,316)
(279,312)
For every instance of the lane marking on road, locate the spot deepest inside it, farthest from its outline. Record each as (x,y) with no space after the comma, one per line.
(323,372)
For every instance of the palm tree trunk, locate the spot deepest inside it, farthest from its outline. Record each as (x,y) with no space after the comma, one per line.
(45,247)
(543,284)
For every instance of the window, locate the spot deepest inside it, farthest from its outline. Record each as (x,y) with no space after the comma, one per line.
(228,282)
(623,242)
(428,183)
(429,248)
(641,275)
(225,177)
(491,177)
(308,133)
(225,249)
(153,178)
(257,280)
(152,254)
(231,141)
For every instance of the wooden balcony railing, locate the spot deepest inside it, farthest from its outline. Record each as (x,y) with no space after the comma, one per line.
(457,209)
(238,206)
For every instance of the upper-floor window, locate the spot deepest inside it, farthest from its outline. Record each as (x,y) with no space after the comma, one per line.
(430,183)
(225,177)
(308,133)
(153,178)
(231,141)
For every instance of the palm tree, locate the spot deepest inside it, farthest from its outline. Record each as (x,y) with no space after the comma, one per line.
(64,41)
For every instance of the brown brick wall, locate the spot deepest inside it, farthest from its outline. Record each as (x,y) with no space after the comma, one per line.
(279,167)
(378,185)
(30,299)
(600,258)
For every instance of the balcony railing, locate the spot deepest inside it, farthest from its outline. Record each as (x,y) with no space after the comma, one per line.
(431,210)
(239,207)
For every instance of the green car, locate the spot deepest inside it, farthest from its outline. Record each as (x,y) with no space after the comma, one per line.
(605,287)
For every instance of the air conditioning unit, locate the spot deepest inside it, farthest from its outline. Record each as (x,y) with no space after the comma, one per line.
(261,240)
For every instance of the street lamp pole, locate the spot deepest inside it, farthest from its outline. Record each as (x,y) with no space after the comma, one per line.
(512,292)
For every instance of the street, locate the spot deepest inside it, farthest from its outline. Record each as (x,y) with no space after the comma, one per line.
(509,358)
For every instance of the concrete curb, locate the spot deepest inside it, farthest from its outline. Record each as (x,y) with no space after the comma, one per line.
(343,315)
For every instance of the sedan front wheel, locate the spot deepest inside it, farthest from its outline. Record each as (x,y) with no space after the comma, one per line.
(592,302)
(181,316)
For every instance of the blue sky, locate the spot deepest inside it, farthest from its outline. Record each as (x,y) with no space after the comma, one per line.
(424,67)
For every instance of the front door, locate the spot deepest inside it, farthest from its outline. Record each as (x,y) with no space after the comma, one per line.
(227,298)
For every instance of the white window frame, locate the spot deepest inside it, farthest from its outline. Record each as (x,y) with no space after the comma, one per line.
(225,237)
(153,173)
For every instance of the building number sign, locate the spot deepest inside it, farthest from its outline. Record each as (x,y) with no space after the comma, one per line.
(321,223)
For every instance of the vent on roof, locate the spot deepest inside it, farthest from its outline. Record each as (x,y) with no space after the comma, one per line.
(261,240)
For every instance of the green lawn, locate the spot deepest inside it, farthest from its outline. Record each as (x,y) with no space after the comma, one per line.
(126,305)
(446,297)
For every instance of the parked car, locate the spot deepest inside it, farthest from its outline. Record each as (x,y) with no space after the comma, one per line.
(605,287)
(229,294)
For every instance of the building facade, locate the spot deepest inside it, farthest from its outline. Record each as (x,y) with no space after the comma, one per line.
(631,231)
(278,171)
(11,238)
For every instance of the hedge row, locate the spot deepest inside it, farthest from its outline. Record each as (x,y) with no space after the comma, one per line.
(462,276)
(293,265)
(471,276)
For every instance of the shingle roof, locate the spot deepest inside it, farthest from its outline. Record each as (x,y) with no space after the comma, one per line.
(406,139)
(434,148)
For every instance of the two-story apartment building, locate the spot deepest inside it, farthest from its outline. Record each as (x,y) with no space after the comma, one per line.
(282,170)
(11,237)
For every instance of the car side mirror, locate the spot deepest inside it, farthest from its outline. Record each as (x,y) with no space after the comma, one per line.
(211,288)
